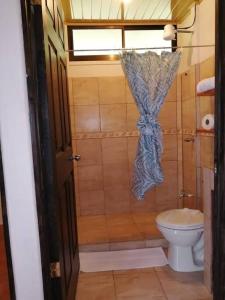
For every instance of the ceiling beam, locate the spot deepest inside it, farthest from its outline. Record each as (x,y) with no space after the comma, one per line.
(66,5)
(117,22)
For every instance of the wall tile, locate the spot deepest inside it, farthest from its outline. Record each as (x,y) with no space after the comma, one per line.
(169,147)
(172,93)
(188,82)
(189,114)
(207,68)
(92,203)
(132,143)
(128,94)
(115,175)
(113,117)
(189,172)
(72,121)
(132,116)
(90,178)
(85,91)
(87,118)
(167,193)
(90,151)
(111,90)
(119,220)
(207,152)
(127,232)
(114,150)
(117,200)
(168,115)
(148,204)
(180,167)
(77,194)
(179,103)
(70,89)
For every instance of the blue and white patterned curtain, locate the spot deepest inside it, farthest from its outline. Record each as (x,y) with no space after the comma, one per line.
(150,76)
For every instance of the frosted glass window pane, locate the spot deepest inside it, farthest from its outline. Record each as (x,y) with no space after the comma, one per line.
(85,39)
(146,39)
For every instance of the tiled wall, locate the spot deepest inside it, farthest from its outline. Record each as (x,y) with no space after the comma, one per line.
(198,155)
(205,164)
(103,117)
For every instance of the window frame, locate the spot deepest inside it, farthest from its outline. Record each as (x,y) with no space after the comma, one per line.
(124,28)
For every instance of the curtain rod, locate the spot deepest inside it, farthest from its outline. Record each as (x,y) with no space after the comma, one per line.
(130,49)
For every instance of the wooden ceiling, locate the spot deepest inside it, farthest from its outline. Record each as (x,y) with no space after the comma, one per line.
(127,11)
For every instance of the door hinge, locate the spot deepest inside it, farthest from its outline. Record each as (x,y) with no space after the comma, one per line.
(55,270)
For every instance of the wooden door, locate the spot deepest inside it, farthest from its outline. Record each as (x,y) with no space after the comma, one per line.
(218,199)
(52,147)
(65,245)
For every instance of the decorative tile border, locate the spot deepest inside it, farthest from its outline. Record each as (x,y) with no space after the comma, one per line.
(135,133)
(208,134)
(101,135)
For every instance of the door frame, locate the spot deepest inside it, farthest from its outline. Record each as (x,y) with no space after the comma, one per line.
(218,204)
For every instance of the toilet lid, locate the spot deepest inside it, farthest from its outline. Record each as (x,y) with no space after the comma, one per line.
(181,218)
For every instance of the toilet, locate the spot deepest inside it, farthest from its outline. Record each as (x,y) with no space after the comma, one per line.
(183,229)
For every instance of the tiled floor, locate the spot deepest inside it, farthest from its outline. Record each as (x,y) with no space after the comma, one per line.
(4,285)
(109,229)
(159,283)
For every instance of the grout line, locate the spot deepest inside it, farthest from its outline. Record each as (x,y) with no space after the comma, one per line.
(161,285)
(114,282)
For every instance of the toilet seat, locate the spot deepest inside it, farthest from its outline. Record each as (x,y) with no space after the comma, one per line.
(181,219)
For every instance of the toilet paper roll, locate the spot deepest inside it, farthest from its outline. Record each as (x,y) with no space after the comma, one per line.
(208,122)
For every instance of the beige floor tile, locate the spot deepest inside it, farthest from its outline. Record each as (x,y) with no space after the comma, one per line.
(182,286)
(96,286)
(138,285)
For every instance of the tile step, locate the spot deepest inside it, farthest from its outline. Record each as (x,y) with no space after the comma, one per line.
(124,245)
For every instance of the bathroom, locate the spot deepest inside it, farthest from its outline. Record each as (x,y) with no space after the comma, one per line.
(104,118)
(103,122)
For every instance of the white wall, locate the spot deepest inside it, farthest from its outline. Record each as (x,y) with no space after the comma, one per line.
(204,34)
(17,156)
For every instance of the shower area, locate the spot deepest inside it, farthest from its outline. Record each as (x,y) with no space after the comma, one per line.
(103,125)
(106,137)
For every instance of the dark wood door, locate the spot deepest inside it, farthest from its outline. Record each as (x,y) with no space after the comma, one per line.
(52,147)
(219,189)
(64,247)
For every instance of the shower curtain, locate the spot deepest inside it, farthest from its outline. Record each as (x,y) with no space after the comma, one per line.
(149,76)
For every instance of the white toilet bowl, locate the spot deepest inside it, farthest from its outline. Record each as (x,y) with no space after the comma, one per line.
(183,229)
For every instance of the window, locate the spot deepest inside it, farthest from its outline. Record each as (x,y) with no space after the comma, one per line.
(145,39)
(92,43)
(100,39)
